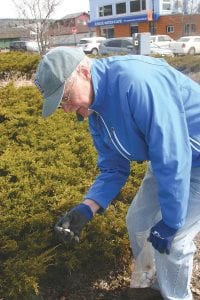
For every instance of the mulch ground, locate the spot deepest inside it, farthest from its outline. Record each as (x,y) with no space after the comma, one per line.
(118,289)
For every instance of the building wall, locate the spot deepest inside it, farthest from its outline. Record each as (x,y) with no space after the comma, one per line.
(61,31)
(4,43)
(179,22)
(121,30)
(161,7)
(95,4)
(64,26)
(166,15)
(68,39)
(143,27)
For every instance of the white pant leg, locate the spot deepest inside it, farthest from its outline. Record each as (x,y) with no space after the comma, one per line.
(173,271)
(143,211)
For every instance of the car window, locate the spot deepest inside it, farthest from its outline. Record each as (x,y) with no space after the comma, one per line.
(161,38)
(17,44)
(183,39)
(197,40)
(167,38)
(84,42)
(126,43)
(113,43)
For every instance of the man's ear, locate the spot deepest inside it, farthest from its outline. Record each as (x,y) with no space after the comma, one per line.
(84,71)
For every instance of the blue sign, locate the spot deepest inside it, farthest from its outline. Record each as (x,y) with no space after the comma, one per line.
(122,20)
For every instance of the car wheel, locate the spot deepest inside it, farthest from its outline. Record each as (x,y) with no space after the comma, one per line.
(94,51)
(191,51)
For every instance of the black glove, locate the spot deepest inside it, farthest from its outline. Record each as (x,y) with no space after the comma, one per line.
(71,224)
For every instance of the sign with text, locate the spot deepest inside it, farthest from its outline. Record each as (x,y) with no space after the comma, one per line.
(74,30)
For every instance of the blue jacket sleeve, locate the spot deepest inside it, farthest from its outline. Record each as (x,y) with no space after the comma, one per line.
(159,113)
(114,171)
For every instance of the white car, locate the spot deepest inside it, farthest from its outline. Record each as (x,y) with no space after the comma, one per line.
(91,44)
(163,51)
(186,45)
(162,40)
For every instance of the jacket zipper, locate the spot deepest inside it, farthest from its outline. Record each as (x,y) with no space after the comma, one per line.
(118,141)
(113,136)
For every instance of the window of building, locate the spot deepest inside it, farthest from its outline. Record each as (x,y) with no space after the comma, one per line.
(134,29)
(105,11)
(107,31)
(193,27)
(121,8)
(166,5)
(143,4)
(187,28)
(190,28)
(169,29)
(137,5)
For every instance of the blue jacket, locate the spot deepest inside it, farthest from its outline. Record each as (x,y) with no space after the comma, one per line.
(145,110)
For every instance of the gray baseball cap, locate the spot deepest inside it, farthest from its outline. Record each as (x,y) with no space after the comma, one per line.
(53,71)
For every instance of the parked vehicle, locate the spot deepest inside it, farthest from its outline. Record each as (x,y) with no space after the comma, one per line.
(124,45)
(31,46)
(117,46)
(91,45)
(186,45)
(162,40)
(158,50)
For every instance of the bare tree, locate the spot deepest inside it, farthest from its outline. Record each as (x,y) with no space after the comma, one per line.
(186,6)
(178,6)
(198,8)
(39,12)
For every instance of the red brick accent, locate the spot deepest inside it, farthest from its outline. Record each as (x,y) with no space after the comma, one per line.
(122,30)
(143,27)
(178,21)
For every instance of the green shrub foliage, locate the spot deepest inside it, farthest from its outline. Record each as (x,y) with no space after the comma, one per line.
(17,64)
(46,167)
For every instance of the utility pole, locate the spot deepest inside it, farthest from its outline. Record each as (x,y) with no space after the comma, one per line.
(153,19)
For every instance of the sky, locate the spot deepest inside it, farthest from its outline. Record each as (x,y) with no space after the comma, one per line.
(8,9)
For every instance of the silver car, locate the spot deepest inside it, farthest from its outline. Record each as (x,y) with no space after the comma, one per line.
(123,45)
(31,46)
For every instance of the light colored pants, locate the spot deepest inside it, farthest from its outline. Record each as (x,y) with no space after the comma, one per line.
(174,271)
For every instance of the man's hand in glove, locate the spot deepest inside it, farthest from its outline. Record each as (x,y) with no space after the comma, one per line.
(71,224)
(161,237)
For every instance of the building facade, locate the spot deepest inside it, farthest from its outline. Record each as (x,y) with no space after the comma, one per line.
(116,18)
(70,29)
(15,30)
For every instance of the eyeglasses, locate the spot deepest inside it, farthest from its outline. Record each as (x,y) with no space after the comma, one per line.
(67,96)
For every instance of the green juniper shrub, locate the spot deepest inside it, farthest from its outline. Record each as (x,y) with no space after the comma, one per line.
(46,167)
(17,64)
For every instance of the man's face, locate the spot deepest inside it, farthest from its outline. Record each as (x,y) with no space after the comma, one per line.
(78,94)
